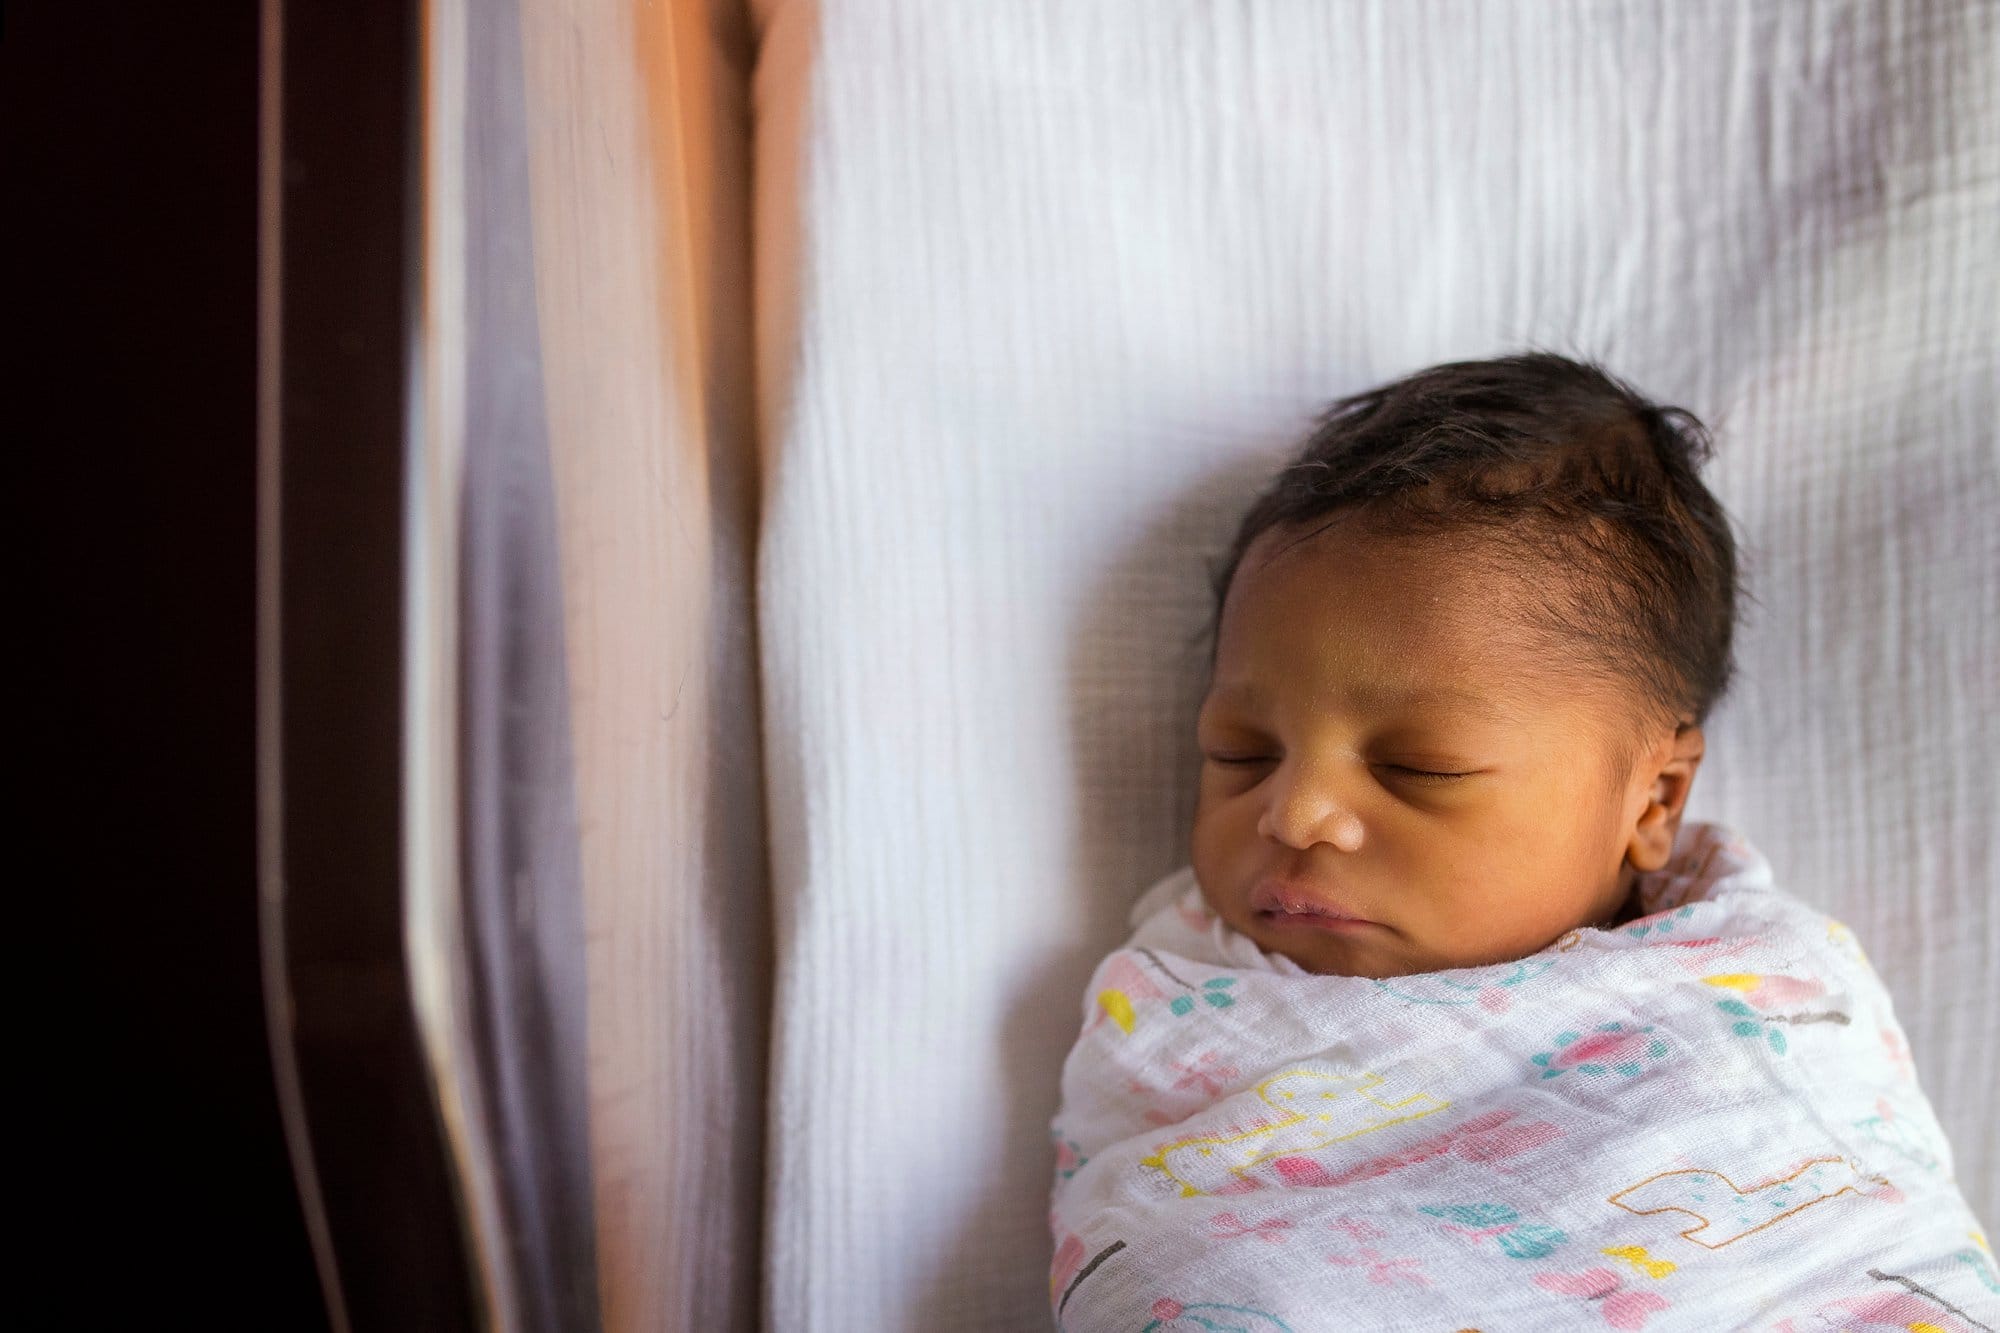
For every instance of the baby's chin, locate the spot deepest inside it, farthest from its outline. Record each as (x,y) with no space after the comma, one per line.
(1341,956)
(1376,953)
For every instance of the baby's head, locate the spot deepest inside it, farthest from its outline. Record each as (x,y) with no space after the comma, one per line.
(1464,646)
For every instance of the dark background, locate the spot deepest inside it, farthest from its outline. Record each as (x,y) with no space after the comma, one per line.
(131,204)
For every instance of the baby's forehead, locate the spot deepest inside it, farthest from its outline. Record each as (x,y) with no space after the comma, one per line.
(1449,625)
(1418,589)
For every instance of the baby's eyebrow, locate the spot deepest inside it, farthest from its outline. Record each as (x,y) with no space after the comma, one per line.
(1470,701)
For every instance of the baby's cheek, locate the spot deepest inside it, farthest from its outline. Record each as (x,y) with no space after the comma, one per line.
(1476,936)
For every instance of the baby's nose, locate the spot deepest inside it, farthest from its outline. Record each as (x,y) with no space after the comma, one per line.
(1307,810)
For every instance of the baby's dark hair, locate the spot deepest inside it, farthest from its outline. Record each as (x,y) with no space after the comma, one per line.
(1545,459)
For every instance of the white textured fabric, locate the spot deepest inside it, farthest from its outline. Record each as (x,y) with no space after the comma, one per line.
(1703,1119)
(1045,291)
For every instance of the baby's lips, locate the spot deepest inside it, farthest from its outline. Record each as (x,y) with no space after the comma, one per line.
(1295,898)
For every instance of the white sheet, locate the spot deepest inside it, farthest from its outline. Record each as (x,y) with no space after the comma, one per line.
(1044,291)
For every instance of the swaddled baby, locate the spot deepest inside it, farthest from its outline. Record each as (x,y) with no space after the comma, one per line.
(1451,1022)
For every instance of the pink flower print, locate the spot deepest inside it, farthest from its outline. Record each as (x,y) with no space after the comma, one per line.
(1898,1310)
(1762,992)
(1620,1307)
(1899,1054)
(1487,1137)
(1168,1314)
(1206,1072)
(1121,986)
(1355,1228)
(1228,1226)
(1304,1173)
(1700,954)
(1122,971)
(1069,1158)
(1152,1115)
(1612,1048)
(1068,1258)
(1601,1046)
(1382,1271)
(1897,1134)
(1779,991)
(1481,1234)
(1769,990)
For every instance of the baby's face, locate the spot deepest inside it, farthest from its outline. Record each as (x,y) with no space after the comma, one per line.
(1350,669)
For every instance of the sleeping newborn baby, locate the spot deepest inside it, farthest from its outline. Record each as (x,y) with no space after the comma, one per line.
(1452,1022)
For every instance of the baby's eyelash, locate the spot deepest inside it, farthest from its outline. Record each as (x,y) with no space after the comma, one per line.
(1420,774)
(1425,774)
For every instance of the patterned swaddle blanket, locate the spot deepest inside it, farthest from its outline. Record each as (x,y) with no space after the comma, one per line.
(1704,1119)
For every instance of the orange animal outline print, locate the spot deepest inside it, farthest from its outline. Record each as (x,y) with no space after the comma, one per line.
(1339,1107)
(1675,1191)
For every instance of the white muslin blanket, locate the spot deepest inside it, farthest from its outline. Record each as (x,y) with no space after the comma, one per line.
(1706,1118)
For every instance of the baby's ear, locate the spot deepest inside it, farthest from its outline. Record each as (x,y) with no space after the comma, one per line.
(1672,767)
